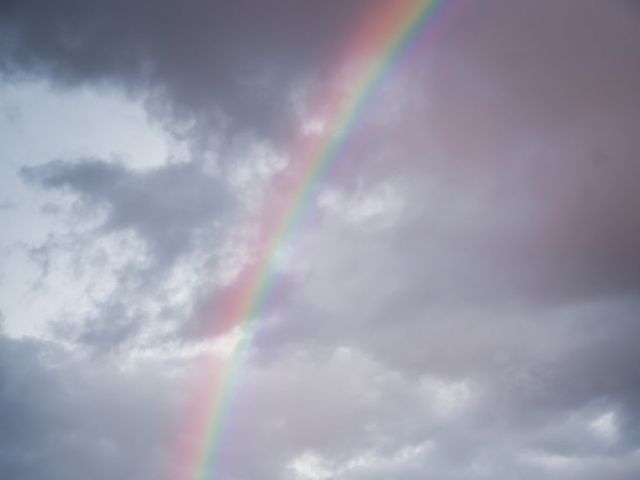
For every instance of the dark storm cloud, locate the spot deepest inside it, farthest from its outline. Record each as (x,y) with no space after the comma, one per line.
(545,130)
(521,132)
(235,60)
(65,417)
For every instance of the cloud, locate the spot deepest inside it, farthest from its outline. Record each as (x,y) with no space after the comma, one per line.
(163,218)
(67,417)
(167,207)
(200,60)
(462,299)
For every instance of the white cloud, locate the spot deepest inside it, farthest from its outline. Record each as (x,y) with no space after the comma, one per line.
(447,398)
(374,207)
(310,466)
(605,426)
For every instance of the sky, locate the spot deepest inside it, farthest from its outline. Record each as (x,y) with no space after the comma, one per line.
(460,300)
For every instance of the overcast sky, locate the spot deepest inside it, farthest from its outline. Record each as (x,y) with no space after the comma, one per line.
(462,301)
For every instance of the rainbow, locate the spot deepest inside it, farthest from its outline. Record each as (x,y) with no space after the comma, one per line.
(384,35)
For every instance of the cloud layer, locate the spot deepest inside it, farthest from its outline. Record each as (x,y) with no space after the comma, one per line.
(461,304)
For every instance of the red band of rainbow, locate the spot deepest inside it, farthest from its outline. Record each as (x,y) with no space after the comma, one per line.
(385,33)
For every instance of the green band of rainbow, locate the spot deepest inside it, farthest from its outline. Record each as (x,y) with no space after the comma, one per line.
(385,33)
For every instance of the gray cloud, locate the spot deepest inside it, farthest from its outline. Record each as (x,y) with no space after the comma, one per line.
(463,300)
(175,211)
(206,60)
(65,416)
(167,207)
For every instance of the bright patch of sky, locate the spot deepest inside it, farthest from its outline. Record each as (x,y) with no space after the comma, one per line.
(39,124)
